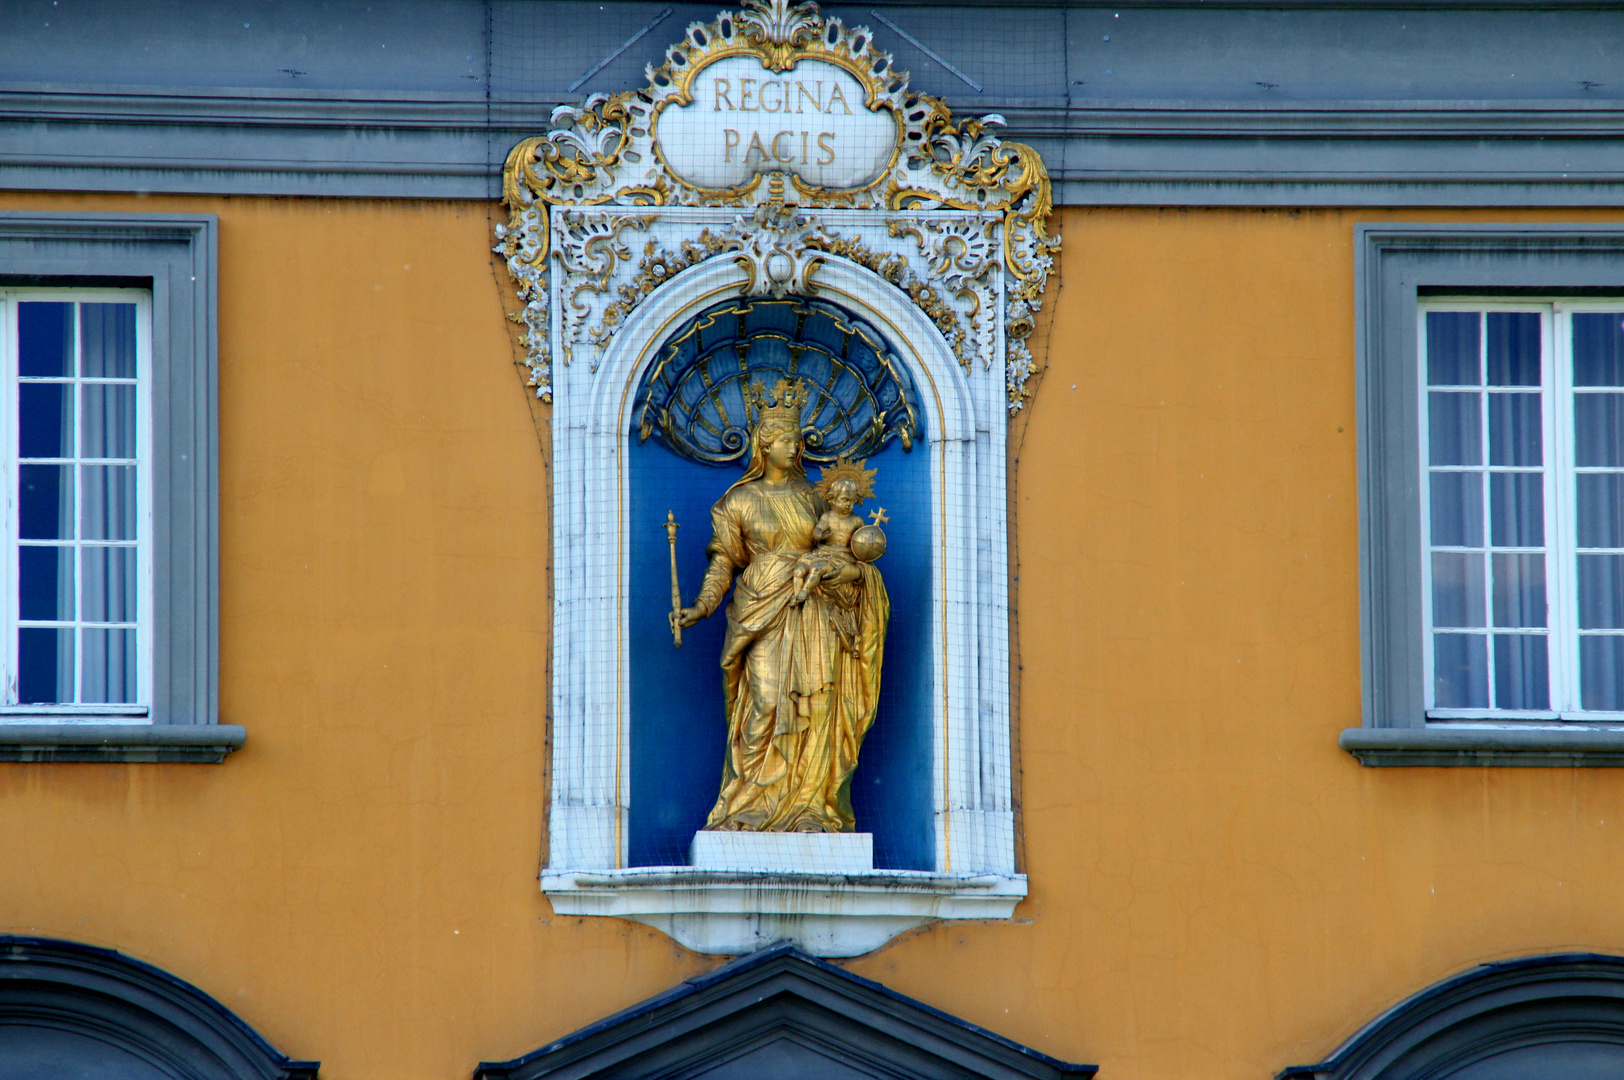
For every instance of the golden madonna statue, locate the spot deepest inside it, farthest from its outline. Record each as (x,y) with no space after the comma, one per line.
(805,628)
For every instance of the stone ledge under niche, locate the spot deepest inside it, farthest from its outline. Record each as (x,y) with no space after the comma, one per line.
(730,912)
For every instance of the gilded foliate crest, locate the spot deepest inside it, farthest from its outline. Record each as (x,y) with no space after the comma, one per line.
(779,27)
(622,151)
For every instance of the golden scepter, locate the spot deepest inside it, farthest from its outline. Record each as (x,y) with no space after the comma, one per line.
(676,593)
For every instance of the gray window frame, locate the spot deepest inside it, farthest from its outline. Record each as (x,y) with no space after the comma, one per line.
(1393,264)
(175,255)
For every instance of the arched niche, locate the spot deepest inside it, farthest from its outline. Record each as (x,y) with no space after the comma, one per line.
(945,249)
(1540,1016)
(72,1010)
(609,600)
(687,445)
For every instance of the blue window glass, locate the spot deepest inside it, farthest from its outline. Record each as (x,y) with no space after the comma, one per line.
(75,553)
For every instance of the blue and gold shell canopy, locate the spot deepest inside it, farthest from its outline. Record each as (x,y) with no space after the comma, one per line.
(860,394)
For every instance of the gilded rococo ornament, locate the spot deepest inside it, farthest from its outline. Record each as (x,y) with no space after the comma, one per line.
(776,110)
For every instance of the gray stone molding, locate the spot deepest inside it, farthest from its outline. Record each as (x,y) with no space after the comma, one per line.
(174,255)
(246,142)
(1392,264)
(1423,103)
(1438,744)
(1544,1016)
(205,744)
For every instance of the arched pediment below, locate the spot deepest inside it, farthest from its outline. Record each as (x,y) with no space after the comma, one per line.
(71,1010)
(1541,1016)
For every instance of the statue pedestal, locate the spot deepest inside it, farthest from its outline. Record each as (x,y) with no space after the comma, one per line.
(792,853)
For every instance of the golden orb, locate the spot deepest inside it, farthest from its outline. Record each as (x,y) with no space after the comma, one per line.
(868,543)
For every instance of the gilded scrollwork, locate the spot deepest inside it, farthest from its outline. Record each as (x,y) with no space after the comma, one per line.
(951,273)
(778,250)
(962,257)
(781,27)
(657,266)
(968,276)
(589,247)
(957,251)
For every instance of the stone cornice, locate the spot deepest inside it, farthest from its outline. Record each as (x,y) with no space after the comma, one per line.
(428,145)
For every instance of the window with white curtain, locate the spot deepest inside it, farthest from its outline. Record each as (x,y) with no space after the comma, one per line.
(77,529)
(1522,417)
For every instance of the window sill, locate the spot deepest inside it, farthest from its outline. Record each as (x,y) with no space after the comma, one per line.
(1436,745)
(203,744)
(730,913)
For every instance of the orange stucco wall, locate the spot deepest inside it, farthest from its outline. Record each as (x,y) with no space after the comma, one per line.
(1217,890)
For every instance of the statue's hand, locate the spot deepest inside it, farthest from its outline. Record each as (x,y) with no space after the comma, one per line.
(842,574)
(688,616)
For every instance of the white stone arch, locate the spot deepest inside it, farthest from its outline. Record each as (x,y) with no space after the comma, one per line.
(974,834)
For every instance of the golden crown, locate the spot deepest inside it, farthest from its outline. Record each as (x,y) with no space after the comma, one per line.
(783,402)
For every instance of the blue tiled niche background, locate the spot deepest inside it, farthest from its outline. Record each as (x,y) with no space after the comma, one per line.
(678,732)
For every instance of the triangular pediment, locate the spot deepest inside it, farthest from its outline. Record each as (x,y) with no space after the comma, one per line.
(784,1015)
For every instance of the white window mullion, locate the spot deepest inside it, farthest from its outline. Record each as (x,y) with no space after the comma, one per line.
(1486,487)
(1561,494)
(144,570)
(8,516)
(1428,658)
(77,451)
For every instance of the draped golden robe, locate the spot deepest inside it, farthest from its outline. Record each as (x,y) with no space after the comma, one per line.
(801,682)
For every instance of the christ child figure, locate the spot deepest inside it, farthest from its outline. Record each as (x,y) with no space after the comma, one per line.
(843,486)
